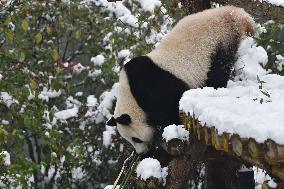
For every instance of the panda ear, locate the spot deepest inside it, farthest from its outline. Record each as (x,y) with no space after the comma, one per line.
(111,122)
(124,119)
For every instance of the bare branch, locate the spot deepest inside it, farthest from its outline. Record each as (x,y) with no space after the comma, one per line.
(194,6)
(263,11)
(259,9)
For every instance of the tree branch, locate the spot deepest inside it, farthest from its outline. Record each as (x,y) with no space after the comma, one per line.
(32,156)
(194,6)
(181,167)
(262,10)
(66,45)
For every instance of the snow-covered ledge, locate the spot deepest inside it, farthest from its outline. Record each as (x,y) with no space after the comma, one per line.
(242,108)
(247,117)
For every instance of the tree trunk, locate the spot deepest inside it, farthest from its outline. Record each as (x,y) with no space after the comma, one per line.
(181,167)
(221,172)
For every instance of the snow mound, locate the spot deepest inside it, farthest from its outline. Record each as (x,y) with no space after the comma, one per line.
(7,99)
(66,114)
(260,176)
(175,131)
(245,110)
(46,94)
(123,53)
(150,167)
(92,101)
(107,135)
(6,157)
(98,60)
(250,57)
(149,5)
(251,106)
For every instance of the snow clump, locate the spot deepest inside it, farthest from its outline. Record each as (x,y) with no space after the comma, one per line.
(66,114)
(123,53)
(98,60)
(150,167)
(175,131)
(149,5)
(46,94)
(6,157)
(107,135)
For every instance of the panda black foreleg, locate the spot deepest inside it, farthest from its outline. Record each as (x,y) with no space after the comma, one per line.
(222,62)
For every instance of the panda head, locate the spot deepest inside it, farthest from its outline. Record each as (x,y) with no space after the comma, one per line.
(137,133)
(130,119)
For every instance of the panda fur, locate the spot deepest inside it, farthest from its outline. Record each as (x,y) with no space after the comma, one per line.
(199,51)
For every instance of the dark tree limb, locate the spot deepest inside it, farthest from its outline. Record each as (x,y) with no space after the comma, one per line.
(181,167)
(194,6)
(263,10)
(32,156)
(222,171)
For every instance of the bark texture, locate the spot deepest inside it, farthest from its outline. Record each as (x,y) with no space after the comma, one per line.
(262,11)
(181,167)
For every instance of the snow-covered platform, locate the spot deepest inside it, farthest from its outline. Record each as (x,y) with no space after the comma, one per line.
(249,109)
(247,117)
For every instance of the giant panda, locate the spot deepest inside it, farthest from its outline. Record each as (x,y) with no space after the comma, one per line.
(199,51)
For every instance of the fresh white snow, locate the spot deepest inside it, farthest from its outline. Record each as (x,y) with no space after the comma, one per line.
(106,104)
(149,5)
(150,167)
(6,157)
(79,94)
(92,101)
(247,106)
(280,62)
(123,53)
(98,60)
(107,135)
(46,94)
(121,12)
(251,56)
(7,99)
(175,131)
(5,122)
(260,176)
(78,173)
(66,114)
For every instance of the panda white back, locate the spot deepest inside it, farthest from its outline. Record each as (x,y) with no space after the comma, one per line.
(187,50)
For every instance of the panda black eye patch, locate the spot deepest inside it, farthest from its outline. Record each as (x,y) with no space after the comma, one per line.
(123,119)
(136,140)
